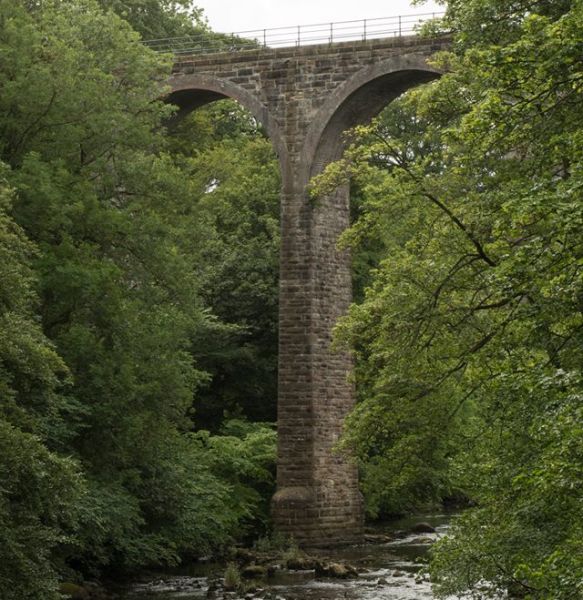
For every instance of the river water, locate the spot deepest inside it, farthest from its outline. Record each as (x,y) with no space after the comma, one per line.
(391,570)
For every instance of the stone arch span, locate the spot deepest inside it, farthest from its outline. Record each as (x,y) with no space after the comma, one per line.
(189,92)
(358,101)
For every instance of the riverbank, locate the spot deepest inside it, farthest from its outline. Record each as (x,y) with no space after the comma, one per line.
(387,566)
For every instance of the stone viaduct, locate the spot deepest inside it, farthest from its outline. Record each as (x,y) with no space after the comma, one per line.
(306,97)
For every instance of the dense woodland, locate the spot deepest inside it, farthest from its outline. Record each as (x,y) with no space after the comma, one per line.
(139,294)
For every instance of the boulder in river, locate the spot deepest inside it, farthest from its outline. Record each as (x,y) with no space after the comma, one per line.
(422,540)
(337,570)
(253,572)
(422,528)
(300,564)
(244,556)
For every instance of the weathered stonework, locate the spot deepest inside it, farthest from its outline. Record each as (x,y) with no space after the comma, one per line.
(306,97)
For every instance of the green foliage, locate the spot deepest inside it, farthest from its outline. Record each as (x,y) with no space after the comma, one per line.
(274,542)
(198,494)
(106,250)
(484,22)
(68,73)
(244,457)
(235,176)
(174,506)
(292,552)
(241,280)
(403,433)
(38,495)
(31,372)
(232,579)
(156,19)
(468,340)
(38,488)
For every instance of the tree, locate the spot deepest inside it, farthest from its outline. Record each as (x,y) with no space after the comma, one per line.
(119,266)
(38,487)
(235,176)
(156,19)
(121,241)
(470,333)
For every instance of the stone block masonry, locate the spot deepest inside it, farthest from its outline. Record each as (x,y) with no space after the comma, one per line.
(306,97)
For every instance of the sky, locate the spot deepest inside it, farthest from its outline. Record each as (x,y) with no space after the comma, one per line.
(244,15)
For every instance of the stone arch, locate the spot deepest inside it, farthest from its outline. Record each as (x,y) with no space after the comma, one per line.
(357,101)
(193,91)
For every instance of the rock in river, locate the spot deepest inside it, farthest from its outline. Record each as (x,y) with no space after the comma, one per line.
(422,528)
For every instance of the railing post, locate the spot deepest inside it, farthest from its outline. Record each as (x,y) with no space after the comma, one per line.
(331,33)
(400,29)
(364,32)
(265,38)
(299,35)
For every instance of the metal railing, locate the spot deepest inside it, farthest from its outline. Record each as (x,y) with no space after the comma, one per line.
(207,42)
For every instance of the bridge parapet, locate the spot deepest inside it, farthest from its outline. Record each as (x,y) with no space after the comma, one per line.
(207,42)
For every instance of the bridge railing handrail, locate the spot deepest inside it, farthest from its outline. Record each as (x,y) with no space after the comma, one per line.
(207,42)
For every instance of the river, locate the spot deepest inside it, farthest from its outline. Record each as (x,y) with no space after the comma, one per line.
(391,570)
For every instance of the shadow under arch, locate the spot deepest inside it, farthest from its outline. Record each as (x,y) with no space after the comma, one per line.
(356,102)
(190,92)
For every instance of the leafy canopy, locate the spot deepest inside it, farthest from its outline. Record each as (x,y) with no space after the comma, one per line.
(468,340)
